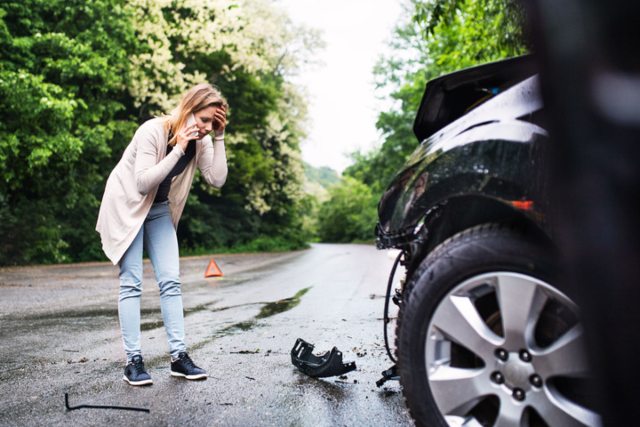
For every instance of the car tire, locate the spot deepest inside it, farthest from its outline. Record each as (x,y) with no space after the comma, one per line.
(487,340)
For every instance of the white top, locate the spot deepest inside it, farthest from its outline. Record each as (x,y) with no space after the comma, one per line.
(133,183)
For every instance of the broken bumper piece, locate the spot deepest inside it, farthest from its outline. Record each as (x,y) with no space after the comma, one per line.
(328,364)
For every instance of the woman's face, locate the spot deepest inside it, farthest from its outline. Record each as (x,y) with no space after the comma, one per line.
(205,120)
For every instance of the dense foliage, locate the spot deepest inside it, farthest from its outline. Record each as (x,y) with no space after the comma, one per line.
(443,36)
(77,78)
(437,37)
(344,217)
(323,176)
(62,69)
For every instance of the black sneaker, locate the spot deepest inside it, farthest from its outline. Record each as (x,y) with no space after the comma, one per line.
(183,366)
(135,374)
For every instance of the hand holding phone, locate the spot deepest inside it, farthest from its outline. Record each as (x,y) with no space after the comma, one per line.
(188,132)
(191,121)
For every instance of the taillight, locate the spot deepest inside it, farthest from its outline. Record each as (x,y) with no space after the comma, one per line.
(523,205)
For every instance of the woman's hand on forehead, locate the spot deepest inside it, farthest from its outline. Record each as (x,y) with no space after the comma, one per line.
(220,119)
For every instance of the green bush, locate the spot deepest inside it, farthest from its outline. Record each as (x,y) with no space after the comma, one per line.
(281,243)
(443,36)
(76,79)
(349,214)
(63,70)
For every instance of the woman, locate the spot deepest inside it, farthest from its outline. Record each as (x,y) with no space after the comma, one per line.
(142,203)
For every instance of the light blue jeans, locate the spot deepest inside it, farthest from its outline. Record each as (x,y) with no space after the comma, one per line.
(159,237)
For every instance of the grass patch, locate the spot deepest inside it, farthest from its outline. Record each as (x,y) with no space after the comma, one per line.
(259,244)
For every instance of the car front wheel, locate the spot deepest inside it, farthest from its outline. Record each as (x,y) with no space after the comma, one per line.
(487,339)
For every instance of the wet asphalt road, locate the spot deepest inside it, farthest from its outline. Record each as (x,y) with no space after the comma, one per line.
(59,333)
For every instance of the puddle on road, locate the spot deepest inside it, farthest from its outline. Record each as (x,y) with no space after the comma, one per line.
(282,305)
(198,308)
(147,326)
(78,314)
(234,329)
(268,310)
(243,326)
(79,318)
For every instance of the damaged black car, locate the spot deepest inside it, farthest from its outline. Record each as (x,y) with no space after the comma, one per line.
(485,335)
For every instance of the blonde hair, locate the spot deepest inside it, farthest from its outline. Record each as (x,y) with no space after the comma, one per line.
(199,97)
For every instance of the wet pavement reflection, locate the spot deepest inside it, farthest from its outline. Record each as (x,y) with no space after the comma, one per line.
(59,333)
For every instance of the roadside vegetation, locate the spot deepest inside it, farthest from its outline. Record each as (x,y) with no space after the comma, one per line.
(78,77)
(435,37)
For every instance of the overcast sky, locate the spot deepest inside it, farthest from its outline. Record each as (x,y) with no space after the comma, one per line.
(343,107)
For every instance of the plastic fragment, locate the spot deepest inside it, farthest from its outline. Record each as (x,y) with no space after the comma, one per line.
(328,364)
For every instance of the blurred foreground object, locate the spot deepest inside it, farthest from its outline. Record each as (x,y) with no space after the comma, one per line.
(591,90)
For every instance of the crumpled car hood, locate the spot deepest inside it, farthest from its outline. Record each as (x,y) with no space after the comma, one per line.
(486,151)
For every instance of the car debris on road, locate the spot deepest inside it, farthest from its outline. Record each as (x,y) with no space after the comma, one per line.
(328,364)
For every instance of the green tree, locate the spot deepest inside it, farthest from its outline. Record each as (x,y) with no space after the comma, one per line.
(317,182)
(441,36)
(349,213)
(77,77)
(248,50)
(63,68)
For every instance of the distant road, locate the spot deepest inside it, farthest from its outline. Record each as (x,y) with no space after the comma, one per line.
(59,333)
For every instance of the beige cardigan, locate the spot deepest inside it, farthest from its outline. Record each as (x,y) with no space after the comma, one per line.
(133,183)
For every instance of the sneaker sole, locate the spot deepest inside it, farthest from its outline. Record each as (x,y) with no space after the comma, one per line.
(143,382)
(189,377)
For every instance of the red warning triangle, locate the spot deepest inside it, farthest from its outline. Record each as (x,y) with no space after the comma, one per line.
(212,270)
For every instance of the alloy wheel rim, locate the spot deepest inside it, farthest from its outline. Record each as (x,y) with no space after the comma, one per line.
(506,364)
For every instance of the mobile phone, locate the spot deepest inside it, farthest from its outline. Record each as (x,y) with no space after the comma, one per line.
(191,120)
